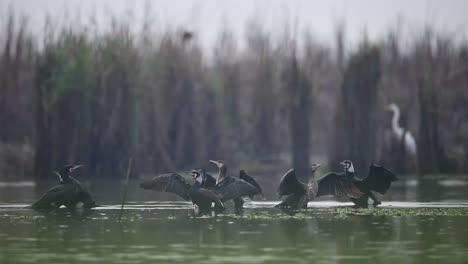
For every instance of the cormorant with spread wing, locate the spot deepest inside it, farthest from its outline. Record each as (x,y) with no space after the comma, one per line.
(379,179)
(230,188)
(298,194)
(70,192)
(174,183)
(210,184)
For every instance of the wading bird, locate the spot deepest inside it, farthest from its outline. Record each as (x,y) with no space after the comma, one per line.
(379,179)
(399,132)
(174,183)
(230,188)
(298,194)
(69,193)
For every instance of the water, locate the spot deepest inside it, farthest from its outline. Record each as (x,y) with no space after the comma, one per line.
(415,226)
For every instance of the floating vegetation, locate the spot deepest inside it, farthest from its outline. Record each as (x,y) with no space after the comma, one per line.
(345,212)
(404,211)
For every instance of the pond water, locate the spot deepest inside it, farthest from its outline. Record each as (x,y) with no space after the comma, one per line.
(411,226)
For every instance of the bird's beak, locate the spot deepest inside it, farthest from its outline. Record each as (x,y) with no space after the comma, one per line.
(215,162)
(387,108)
(316,166)
(342,163)
(76,167)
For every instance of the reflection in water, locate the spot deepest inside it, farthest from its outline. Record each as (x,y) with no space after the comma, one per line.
(296,230)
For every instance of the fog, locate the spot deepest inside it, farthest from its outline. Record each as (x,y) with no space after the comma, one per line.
(207,18)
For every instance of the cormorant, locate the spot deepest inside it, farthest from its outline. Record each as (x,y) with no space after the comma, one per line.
(234,188)
(399,132)
(174,183)
(298,194)
(70,192)
(210,184)
(378,179)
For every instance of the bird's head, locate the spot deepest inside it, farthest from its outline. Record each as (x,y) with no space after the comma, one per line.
(315,166)
(67,169)
(348,166)
(219,163)
(198,175)
(65,172)
(391,107)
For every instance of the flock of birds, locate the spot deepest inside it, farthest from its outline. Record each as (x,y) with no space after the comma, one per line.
(210,194)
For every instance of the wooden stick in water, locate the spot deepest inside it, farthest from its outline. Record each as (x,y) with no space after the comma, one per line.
(125,189)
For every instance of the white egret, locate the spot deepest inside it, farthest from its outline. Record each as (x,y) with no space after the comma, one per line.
(398,131)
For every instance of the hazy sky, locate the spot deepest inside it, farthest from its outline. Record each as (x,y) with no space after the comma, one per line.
(208,16)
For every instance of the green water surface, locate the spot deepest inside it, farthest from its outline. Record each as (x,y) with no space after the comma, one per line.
(418,222)
(172,233)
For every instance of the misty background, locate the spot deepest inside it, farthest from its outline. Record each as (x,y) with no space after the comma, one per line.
(209,17)
(264,85)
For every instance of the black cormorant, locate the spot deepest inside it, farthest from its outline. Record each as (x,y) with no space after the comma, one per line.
(174,183)
(379,179)
(298,194)
(230,188)
(210,184)
(70,192)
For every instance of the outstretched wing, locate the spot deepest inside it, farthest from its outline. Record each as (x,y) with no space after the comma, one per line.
(289,184)
(231,188)
(244,176)
(379,179)
(335,184)
(55,197)
(210,182)
(173,183)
